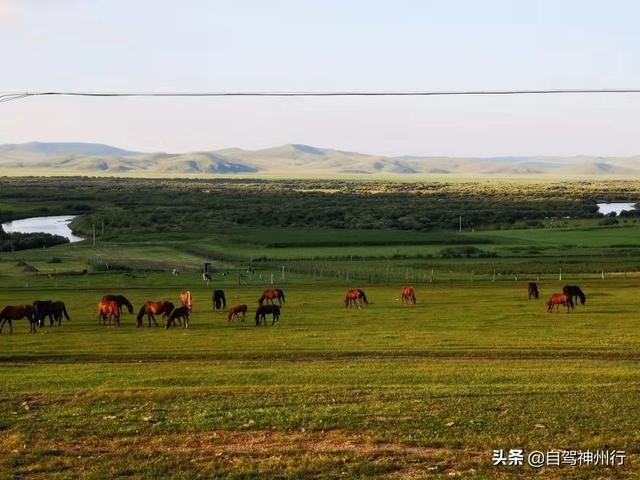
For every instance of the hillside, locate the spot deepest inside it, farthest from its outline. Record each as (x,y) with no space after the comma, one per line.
(291,159)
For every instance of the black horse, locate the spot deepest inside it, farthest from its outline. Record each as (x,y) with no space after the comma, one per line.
(533,291)
(264,310)
(120,300)
(218,300)
(53,310)
(574,291)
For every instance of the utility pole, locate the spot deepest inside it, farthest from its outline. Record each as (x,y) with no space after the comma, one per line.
(102,231)
(460,228)
(93,233)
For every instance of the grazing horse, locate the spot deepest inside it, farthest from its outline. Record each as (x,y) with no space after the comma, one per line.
(207,278)
(175,272)
(355,297)
(559,299)
(264,310)
(236,310)
(109,309)
(16,312)
(151,308)
(121,300)
(218,300)
(185,298)
(408,295)
(270,294)
(574,291)
(533,291)
(177,314)
(53,310)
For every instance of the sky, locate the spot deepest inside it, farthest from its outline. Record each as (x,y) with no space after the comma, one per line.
(311,45)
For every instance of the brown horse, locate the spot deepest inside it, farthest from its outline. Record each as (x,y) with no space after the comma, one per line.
(355,297)
(559,299)
(263,310)
(185,298)
(109,309)
(236,310)
(533,291)
(16,312)
(122,301)
(408,295)
(151,308)
(178,314)
(270,294)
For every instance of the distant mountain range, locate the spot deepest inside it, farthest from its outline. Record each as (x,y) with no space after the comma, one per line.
(293,159)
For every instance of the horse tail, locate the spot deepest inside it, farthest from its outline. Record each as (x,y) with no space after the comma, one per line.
(581,295)
(258,316)
(282,295)
(346,300)
(223,299)
(261,299)
(64,311)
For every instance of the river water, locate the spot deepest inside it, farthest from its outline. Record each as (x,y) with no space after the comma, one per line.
(56,225)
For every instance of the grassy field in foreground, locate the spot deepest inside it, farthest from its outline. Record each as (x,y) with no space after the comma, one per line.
(392,391)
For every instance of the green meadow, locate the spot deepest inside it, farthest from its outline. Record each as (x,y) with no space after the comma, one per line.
(389,391)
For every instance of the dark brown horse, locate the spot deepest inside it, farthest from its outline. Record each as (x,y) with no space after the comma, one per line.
(408,295)
(151,308)
(559,299)
(53,310)
(218,300)
(122,301)
(16,312)
(181,314)
(264,310)
(533,291)
(270,294)
(109,310)
(355,297)
(576,293)
(236,310)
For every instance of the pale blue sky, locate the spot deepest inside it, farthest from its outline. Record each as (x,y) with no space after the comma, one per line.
(325,45)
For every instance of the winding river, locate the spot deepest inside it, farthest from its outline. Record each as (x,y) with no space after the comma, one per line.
(55,225)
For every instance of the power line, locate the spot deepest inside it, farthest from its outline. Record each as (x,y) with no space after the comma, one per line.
(10,96)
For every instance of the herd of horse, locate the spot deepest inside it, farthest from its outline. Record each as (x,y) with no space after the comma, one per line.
(110,307)
(571,295)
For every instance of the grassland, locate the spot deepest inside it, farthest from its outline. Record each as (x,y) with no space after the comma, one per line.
(391,391)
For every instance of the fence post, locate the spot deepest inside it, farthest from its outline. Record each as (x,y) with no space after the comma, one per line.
(560,274)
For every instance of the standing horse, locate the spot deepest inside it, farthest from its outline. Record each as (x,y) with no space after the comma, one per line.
(218,300)
(559,299)
(109,309)
(185,298)
(574,291)
(177,314)
(263,310)
(207,278)
(16,312)
(121,300)
(408,295)
(151,308)
(53,310)
(355,297)
(236,310)
(533,291)
(270,294)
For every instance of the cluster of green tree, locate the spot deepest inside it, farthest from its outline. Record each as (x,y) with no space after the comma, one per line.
(10,242)
(134,206)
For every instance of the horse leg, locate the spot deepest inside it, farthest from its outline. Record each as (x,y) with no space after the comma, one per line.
(154,320)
